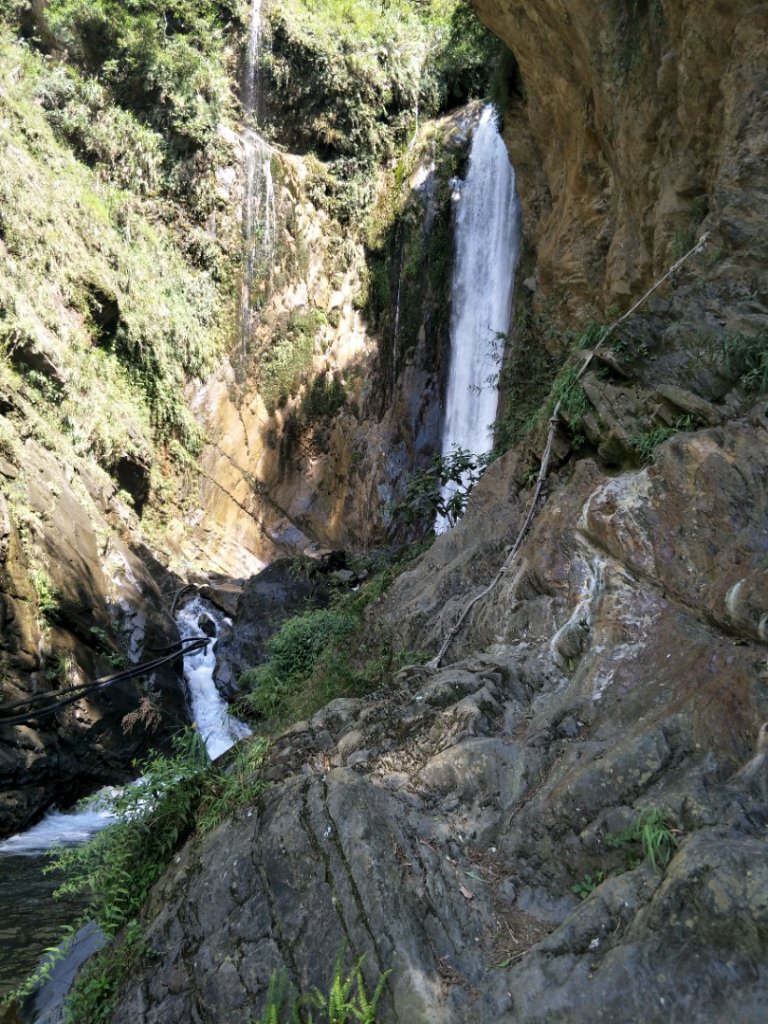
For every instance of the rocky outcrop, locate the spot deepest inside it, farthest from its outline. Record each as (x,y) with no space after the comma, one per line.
(79,599)
(476,829)
(318,464)
(641,127)
(442,829)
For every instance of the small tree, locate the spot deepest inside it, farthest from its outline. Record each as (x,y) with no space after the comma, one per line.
(440,491)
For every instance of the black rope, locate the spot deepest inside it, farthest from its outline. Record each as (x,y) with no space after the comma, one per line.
(75,693)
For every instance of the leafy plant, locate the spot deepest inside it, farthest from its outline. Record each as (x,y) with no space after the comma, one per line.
(588,884)
(47,595)
(440,491)
(346,1002)
(652,832)
(285,366)
(105,645)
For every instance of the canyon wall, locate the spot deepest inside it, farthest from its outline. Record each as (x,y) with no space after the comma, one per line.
(477,829)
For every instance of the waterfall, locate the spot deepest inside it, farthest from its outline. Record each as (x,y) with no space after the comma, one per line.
(487,241)
(219,729)
(259,207)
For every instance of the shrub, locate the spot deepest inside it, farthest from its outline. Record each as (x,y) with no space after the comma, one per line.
(569,393)
(323,654)
(163,59)
(47,595)
(294,652)
(440,491)
(646,442)
(650,831)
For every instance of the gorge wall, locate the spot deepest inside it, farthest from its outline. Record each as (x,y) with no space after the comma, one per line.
(476,828)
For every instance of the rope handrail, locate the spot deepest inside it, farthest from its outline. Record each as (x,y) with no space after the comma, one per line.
(453,632)
(65,697)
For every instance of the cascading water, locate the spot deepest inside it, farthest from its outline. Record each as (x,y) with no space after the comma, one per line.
(31,920)
(487,242)
(219,729)
(259,209)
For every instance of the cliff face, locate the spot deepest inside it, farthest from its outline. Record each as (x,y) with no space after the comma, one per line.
(480,829)
(642,125)
(316,419)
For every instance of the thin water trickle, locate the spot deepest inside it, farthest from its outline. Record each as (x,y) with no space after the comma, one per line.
(259,206)
(487,242)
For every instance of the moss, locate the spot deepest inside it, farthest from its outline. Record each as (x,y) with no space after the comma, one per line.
(286,365)
(98,303)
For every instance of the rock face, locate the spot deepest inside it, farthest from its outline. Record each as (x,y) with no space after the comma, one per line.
(642,127)
(476,829)
(442,828)
(317,465)
(79,598)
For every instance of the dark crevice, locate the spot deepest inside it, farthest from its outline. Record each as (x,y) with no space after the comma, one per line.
(304,818)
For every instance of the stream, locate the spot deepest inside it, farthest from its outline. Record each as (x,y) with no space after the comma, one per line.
(31,919)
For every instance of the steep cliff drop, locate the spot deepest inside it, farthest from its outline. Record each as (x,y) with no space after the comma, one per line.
(487,244)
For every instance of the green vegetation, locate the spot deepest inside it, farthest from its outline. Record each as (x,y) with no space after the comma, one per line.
(409,251)
(526,375)
(47,596)
(745,359)
(424,500)
(347,1000)
(113,293)
(162,59)
(646,442)
(115,870)
(322,654)
(651,832)
(588,884)
(286,365)
(357,76)
(569,393)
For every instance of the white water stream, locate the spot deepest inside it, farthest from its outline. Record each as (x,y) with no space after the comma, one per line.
(220,730)
(487,242)
(259,207)
(31,919)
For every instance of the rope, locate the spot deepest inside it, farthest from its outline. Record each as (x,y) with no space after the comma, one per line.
(75,693)
(544,467)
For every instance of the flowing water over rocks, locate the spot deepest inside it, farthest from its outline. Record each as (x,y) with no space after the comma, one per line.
(211,716)
(259,206)
(487,240)
(32,919)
